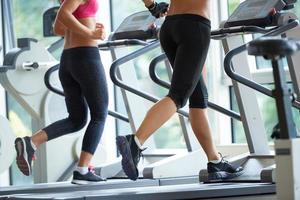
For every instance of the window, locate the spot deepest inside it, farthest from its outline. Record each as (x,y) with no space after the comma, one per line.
(232,5)
(269,115)
(27,13)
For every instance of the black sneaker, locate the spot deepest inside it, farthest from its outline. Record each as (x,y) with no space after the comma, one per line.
(25,155)
(131,155)
(87,178)
(223,170)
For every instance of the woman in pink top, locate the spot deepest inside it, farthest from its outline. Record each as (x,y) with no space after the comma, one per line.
(83,79)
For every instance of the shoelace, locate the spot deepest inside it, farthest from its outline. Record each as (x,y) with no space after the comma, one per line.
(142,155)
(223,158)
(226,161)
(91,169)
(34,157)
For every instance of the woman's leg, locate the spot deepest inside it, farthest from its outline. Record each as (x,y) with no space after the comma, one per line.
(199,120)
(39,138)
(91,77)
(217,167)
(76,120)
(158,114)
(200,126)
(85,159)
(75,103)
(130,145)
(187,62)
(163,110)
(76,107)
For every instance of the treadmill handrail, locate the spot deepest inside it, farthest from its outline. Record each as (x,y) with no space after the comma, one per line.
(119,43)
(56,45)
(117,81)
(247,82)
(225,32)
(47,80)
(60,92)
(155,78)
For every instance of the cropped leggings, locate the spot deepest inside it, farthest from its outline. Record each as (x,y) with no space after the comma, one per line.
(185,38)
(83,80)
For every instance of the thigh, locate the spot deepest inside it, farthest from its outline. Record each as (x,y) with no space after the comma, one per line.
(74,98)
(190,57)
(94,86)
(167,43)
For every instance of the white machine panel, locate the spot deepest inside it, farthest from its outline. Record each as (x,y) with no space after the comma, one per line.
(7,148)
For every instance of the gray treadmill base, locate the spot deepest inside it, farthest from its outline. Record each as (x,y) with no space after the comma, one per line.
(68,187)
(110,184)
(188,191)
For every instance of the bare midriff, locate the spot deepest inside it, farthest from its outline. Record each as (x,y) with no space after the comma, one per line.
(77,40)
(197,7)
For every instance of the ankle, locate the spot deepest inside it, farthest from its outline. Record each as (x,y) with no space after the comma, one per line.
(138,142)
(39,138)
(216,158)
(140,139)
(82,170)
(215,161)
(33,144)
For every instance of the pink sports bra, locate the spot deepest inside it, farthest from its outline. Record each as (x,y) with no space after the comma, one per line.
(89,9)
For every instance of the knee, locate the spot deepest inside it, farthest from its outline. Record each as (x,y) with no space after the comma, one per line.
(179,100)
(79,122)
(99,116)
(200,103)
(199,98)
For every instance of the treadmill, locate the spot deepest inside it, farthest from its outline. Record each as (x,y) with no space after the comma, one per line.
(262,18)
(133,32)
(181,191)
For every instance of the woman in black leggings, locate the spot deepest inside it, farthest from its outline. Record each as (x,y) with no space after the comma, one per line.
(83,80)
(185,38)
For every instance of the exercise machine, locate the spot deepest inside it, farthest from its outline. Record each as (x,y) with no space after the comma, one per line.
(6,138)
(22,78)
(107,170)
(265,17)
(186,191)
(286,144)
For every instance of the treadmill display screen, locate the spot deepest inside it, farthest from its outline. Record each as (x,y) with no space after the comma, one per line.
(140,18)
(254,9)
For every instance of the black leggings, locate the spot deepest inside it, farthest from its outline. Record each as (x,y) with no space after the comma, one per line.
(83,80)
(185,38)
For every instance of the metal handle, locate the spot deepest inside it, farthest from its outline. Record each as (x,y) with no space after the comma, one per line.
(226,32)
(245,81)
(120,43)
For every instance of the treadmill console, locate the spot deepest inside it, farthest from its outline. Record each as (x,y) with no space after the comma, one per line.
(48,21)
(141,25)
(257,12)
(290,4)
